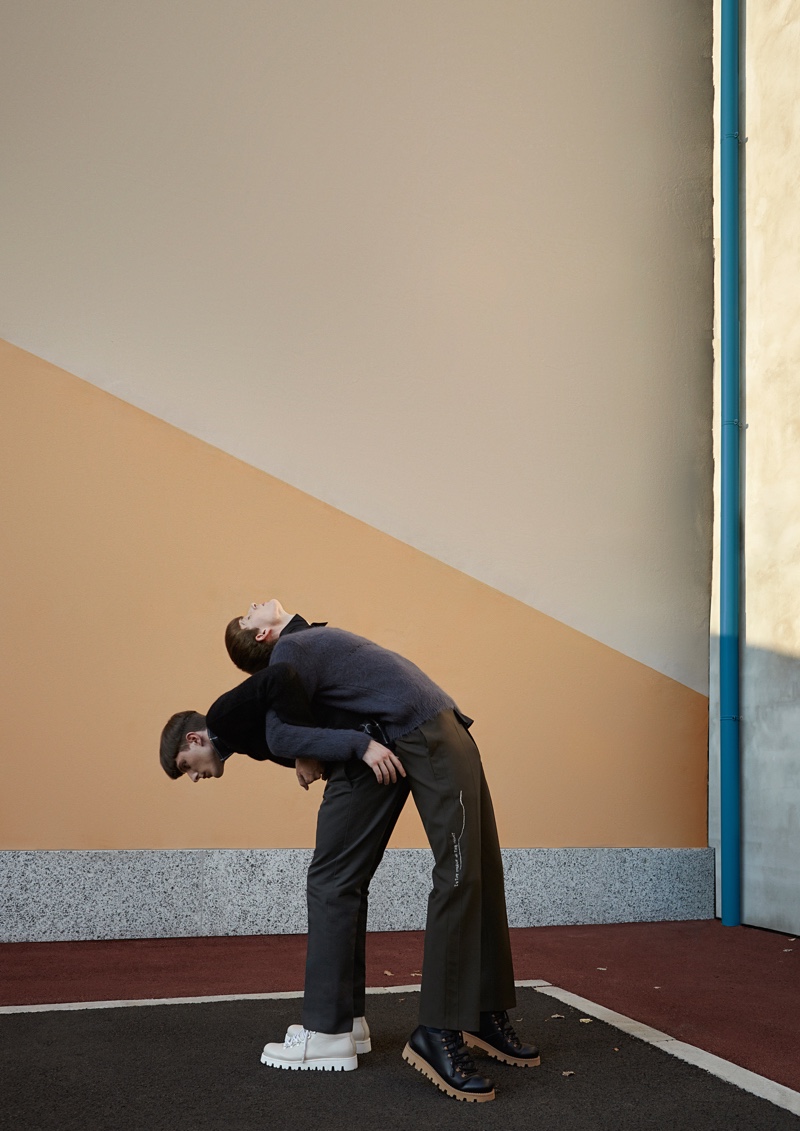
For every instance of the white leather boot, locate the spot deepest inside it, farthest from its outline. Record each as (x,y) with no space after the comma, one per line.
(360,1034)
(305,1050)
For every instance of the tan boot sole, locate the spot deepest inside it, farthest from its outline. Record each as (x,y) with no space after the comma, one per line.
(416,1061)
(476,1042)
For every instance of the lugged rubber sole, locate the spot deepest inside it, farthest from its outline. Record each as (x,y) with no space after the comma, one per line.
(421,1065)
(339,1064)
(476,1042)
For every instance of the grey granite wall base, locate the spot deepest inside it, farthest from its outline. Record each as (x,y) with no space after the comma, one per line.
(49,895)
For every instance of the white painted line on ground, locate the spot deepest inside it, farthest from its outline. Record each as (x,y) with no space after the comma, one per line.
(146,1001)
(393,989)
(743,1078)
(123,1004)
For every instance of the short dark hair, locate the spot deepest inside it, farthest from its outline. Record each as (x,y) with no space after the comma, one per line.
(249,655)
(173,739)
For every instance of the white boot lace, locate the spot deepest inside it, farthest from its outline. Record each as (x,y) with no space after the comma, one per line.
(297,1038)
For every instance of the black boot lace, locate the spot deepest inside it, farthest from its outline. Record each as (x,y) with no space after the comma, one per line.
(458,1053)
(501,1022)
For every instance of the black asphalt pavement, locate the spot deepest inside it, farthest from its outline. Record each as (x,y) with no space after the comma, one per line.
(197,1068)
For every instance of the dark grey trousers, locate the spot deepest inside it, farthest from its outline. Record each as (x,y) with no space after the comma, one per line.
(467,966)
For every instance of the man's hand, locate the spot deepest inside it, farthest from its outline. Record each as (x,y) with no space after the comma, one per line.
(384,764)
(308,770)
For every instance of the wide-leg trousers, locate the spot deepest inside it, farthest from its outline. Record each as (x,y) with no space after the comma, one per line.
(467,966)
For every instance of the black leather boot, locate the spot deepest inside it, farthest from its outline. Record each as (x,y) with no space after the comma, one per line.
(440,1054)
(496,1037)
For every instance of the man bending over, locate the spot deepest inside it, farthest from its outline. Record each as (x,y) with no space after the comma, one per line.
(198,746)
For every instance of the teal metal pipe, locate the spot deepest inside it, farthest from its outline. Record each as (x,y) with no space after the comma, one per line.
(730,758)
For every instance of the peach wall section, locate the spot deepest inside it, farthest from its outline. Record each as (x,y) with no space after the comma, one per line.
(130,543)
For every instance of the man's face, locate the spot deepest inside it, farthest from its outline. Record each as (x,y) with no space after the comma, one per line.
(200,760)
(264,617)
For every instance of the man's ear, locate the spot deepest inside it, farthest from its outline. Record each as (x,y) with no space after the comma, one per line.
(195,738)
(264,634)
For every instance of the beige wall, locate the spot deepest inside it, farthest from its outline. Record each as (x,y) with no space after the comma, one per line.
(443,264)
(130,544)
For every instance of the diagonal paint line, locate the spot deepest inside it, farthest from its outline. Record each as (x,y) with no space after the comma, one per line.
(742,1078)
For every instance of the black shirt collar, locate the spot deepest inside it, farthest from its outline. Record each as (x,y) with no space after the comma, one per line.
(298,624)
(223,750)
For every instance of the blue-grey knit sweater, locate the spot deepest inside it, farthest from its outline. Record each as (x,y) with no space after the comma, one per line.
(342,670)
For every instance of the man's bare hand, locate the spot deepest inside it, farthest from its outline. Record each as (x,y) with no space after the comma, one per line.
(384,764)
(308,770)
